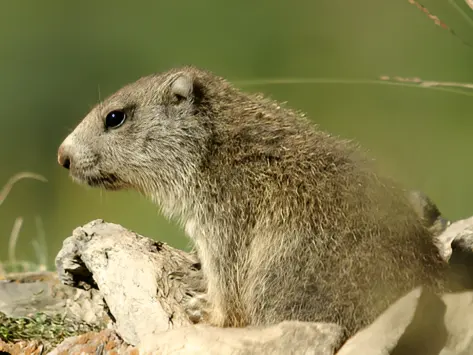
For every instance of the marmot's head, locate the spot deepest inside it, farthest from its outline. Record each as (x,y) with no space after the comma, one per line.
(150,136)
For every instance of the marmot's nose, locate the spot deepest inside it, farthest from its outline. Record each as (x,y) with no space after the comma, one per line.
(63,157)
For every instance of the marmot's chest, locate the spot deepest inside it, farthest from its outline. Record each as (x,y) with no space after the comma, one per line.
(191,229)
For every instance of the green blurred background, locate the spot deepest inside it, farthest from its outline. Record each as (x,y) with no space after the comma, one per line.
(56,56)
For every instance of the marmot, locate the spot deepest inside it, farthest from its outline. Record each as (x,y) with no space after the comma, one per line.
(289,222)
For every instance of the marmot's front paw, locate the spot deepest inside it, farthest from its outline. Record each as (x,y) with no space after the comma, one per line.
(197,308)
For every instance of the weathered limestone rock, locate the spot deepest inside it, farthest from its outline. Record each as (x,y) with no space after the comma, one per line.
(139,278)
(412,325)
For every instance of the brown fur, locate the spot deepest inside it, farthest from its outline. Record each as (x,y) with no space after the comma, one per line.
(289,222)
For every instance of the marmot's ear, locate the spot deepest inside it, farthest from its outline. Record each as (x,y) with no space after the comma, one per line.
(183,87)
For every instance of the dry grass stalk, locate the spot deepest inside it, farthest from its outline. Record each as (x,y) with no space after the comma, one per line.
(14,239)
(426,83)
(14,179)
(39,244)
(469,3)
(434,18)
(442,24)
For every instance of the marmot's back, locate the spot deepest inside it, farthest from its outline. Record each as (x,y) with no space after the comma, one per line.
(331,239)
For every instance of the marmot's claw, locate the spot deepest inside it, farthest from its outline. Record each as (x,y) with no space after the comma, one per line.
(197,308)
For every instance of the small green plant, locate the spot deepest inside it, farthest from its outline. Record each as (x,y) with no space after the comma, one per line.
(47,330)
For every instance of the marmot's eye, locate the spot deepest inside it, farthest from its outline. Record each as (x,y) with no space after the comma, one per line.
(115,119)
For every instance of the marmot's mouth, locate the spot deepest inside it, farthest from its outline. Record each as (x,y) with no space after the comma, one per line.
(109,181)
(103,180)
